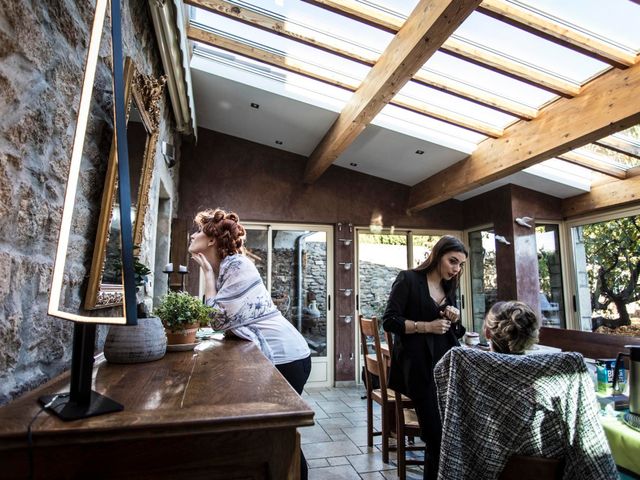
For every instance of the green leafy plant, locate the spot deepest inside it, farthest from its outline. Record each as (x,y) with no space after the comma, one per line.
(179,309)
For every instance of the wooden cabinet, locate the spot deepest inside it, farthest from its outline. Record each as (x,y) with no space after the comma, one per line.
(219,412)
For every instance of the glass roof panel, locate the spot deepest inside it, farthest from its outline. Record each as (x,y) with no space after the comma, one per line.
(356,36)
(489,80)
(529,49)
(414,122)
(400,8)
(613,20)
(330,65)
(606,155)
(457,105)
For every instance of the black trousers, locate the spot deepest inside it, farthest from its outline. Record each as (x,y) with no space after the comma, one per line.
(431,426)
(297,373)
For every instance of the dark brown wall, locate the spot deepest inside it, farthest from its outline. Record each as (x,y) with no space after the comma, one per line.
(517,263)
(261,183)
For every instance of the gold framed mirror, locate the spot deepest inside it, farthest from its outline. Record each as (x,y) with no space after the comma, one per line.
(142,94)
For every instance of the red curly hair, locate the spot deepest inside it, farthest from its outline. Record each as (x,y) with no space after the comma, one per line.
(223,227)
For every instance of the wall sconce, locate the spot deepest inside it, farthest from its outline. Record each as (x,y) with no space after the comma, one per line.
(169,154)
(346,265)
(501,239)
(346,291)
(524,221)
(346,318)
(345,241)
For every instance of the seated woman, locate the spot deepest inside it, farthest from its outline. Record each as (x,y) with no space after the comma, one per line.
(498,404)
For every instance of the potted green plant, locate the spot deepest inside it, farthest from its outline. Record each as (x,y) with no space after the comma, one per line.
(144,342)
(182,315)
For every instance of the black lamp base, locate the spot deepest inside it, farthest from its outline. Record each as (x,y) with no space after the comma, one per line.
(65,409)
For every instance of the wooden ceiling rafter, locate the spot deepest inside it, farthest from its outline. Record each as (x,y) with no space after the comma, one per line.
(607,105)
(534,22)
(606,196)
(304,35)
(582,160)
(460,48)
(428,26)
(620,145)
(302,68)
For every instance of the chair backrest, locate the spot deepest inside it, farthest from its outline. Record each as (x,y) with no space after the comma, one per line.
(374,363)
(518,394)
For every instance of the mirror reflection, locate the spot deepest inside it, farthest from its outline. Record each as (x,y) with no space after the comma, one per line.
(141,96)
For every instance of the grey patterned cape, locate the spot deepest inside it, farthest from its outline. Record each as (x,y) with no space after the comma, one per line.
(241,301)
(494,405)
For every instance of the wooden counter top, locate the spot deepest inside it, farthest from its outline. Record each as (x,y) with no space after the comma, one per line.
(221,387)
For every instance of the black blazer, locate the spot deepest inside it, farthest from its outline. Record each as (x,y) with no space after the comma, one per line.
(414,355)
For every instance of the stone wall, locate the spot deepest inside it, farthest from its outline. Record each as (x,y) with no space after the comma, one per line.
(42,53)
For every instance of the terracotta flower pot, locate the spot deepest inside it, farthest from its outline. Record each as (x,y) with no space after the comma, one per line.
(180,337)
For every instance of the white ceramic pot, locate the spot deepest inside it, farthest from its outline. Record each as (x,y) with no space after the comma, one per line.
(140,343)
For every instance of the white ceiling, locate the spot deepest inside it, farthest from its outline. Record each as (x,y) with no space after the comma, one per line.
(223,104)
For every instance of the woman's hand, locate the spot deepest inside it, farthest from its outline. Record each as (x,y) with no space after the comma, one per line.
(209,275)
(451,313)
(201,260)
(437,327)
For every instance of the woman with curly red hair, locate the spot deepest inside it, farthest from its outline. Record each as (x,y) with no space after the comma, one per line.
(242,303)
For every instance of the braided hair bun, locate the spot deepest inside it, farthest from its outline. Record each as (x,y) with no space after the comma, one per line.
(225,228)
(512,327)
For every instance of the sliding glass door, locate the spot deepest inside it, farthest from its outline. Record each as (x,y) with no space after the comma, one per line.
(294,262)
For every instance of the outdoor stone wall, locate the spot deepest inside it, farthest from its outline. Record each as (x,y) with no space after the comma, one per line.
(42,53)
(375,286)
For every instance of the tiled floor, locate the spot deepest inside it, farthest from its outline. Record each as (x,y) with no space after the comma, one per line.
(336,446)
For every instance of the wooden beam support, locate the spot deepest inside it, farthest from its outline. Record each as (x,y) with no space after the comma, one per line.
(431,22)
(609,195)
(607,105)
(536,22)
(303,34)
(302,68)
(584,161)
(631,148)
(458,47)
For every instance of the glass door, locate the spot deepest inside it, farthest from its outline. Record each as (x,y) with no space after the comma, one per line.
(606,266)
(550,274)
(294,261)
(483,275)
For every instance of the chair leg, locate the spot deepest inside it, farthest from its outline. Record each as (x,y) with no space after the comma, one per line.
(369,421)
(385,436)
(402,467)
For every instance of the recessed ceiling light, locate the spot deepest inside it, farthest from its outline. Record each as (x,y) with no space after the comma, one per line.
(254,105)
(419,152)
(353,164)
(278,142)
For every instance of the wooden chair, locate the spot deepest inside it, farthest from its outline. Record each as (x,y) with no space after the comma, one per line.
(374,366)
(407,426)
(520,467)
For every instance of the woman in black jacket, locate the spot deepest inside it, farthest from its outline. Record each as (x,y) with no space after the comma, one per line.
(422,315)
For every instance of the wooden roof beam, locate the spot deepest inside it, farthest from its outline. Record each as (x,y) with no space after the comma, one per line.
(535,21)
(460,48)
(430,23)
(592,164)
(304,35)
(620,145)
(606,105)
(302,68)
(606,196)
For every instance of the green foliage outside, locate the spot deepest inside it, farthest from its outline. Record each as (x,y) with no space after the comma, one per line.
(613,264)
(179,309)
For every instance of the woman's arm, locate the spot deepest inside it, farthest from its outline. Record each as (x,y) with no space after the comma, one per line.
(393,319)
